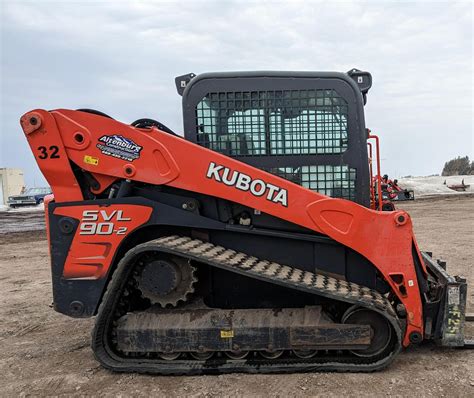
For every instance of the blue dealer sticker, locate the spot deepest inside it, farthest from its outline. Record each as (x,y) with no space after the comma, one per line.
(119,147)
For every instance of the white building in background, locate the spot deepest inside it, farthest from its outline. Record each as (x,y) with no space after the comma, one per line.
(11,183)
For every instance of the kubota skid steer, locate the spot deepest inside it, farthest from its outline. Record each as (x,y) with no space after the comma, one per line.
(250,245)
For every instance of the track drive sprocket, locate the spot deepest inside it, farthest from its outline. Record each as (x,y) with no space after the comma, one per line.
(167,281)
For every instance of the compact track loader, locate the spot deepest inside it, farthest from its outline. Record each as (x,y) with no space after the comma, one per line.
(253,244)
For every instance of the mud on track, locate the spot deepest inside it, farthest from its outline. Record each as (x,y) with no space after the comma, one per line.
(45,353)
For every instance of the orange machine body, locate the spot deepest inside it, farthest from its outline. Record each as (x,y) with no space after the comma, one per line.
(62,136)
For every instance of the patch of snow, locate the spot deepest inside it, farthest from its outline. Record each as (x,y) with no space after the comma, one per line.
(20,209)
(434,185)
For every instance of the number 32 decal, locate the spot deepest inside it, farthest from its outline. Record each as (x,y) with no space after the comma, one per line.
(45,154)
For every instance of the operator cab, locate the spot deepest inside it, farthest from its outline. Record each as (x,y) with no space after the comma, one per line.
(306,127)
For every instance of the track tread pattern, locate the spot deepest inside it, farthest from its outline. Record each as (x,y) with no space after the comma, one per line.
(273,272)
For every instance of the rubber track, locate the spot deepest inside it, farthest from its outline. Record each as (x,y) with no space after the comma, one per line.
(241,263)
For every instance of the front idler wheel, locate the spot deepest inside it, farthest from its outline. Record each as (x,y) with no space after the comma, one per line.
(381,330)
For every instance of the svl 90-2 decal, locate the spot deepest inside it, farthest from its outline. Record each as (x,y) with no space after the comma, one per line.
(102,222)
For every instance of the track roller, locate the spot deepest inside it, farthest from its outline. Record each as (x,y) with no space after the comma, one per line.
(202,356)
(237,354)
(271,354)
(305,354)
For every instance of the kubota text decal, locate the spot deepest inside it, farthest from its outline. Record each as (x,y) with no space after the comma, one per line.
(244,182)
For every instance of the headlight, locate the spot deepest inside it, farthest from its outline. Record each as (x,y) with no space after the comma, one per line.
(31,197)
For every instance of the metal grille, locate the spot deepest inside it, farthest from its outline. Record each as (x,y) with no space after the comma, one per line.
(285,122)
(334,181)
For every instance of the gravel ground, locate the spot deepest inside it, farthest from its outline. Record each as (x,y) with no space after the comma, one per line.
(45,353)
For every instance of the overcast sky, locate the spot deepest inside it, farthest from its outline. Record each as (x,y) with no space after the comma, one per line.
(122,57)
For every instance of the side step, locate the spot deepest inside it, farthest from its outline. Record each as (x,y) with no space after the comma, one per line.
(209,330)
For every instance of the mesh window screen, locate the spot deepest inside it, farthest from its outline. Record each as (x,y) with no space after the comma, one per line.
(335,181)
(285,122)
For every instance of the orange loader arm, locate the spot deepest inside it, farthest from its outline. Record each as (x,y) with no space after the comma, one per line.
(386,239)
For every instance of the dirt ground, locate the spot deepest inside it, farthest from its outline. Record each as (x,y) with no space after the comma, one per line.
(45,353)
